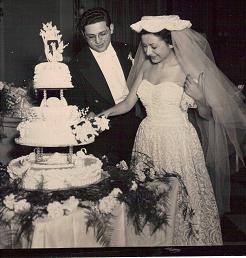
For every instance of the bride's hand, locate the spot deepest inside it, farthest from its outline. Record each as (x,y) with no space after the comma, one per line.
(193,87)
(104,113)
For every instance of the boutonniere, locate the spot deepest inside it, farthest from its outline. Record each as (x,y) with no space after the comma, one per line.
(130,58)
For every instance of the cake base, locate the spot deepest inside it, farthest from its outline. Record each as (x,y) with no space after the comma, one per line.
(55,172)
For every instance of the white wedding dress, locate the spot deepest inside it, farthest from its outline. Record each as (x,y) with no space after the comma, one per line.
(170,140)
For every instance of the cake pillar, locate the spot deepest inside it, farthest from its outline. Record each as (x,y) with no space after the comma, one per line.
(45,94)
(61,94)
(70,154)
(38,154)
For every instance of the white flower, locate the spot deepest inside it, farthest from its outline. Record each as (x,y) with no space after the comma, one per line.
(22,206)
(115,192)
(9,201)
(131,58)
(8,215)
(55,210)
(134,186)
(241,87)
(107,204)
(122,165)
(140,176)
(70,204)
(102,123)
(140,166)
(82,131)
(2,85)
(152,173)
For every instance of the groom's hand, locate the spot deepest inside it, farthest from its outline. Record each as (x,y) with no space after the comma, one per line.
(193,88)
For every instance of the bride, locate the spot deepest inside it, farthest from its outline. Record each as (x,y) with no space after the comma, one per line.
(165,77)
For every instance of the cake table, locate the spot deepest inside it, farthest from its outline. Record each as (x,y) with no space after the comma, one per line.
(70,231)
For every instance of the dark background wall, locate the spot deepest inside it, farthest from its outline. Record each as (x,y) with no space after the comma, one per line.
(223,22)
(21,24)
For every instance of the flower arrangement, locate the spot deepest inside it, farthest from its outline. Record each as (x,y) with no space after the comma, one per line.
(146,194)
(15,100)
(141,187)
(88,128)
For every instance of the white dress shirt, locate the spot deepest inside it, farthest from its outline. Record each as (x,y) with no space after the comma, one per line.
(112,71)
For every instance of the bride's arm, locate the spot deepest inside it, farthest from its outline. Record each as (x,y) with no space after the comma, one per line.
(127,104)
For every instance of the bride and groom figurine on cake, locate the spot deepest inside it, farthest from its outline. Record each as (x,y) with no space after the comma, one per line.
(173,70)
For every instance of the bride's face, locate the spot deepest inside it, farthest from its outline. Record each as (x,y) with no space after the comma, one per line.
(155,48)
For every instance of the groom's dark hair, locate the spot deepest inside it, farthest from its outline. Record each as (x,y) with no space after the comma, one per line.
(94,15)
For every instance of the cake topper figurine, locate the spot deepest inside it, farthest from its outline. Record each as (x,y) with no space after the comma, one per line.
(53,44)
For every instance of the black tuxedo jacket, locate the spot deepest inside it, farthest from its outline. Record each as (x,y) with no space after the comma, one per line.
(91,90)
(90,87)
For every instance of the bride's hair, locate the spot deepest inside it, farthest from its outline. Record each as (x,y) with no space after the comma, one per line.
(163,34)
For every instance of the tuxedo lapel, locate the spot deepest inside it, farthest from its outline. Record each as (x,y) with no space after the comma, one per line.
(91,71)
(123,58)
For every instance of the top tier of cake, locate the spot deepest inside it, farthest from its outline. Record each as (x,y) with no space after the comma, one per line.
(52,75)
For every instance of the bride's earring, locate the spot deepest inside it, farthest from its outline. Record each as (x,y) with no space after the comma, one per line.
(170,46)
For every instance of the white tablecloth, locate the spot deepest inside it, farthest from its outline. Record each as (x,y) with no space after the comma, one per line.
(70,231)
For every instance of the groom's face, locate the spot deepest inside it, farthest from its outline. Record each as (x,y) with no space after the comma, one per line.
(98,35)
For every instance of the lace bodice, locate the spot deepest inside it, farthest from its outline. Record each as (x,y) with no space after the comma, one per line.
(165,101)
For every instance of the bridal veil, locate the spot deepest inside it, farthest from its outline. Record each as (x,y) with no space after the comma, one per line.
(225,132)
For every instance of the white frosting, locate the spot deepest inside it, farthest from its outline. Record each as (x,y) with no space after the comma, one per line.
(50,124)
(84,170)
(52,75)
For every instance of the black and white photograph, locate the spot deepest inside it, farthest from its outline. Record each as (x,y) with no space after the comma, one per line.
(122,128)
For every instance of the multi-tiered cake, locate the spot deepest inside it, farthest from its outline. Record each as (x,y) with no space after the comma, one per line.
(56,124)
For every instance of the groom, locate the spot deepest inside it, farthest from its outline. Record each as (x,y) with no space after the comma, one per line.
(98,73)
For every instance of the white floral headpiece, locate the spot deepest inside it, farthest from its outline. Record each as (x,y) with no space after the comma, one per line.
(155,24)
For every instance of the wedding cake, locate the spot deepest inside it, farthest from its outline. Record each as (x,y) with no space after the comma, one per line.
(52,74)
(51,124)
(56,124)
(55,171)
